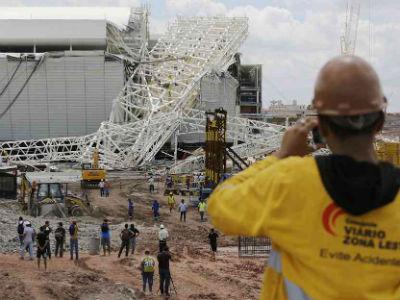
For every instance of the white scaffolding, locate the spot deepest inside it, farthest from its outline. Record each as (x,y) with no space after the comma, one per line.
(158,100)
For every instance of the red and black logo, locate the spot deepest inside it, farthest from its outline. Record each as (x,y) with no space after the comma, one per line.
(329,217)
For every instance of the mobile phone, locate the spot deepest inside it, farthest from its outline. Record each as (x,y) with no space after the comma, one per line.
(317,138)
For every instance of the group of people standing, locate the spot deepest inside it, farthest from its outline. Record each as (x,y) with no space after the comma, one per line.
(28,236)
(104,186)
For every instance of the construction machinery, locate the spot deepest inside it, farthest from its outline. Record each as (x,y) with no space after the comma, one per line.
(388,151)
(92,174)
(183,184)
(46,193)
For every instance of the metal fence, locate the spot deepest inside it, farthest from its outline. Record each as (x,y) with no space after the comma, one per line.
(254,247)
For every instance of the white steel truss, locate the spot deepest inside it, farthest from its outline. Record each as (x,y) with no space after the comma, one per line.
(158,99)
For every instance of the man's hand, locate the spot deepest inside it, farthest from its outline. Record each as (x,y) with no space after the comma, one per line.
(295,142)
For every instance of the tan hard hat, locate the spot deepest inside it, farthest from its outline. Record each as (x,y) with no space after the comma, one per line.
(348,86)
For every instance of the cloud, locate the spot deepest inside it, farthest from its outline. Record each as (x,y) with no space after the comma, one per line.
(196,7)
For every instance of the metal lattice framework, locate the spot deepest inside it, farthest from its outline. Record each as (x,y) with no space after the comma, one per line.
(158,99)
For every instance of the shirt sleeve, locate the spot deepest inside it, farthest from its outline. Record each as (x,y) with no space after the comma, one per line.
(238,205)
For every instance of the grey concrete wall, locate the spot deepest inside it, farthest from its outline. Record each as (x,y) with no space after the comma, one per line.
(68,95)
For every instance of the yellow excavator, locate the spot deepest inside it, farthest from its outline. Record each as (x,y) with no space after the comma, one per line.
(92,174)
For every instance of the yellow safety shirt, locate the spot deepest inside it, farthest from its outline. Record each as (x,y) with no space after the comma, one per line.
(202,206)
(148,264)
(320,250)
(171,200)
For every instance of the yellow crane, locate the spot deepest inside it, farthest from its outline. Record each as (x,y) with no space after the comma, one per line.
(92,174)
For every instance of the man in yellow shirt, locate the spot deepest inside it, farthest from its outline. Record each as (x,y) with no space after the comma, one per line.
(333,219)
(171,202)
(202,208)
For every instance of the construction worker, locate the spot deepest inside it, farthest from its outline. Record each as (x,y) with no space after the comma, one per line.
(155,207)
(183,209)
(213,236)
(134,234)
(29,237)
(107,187)
(188,180)
(163,267)
(59,235)
(147,267)
(125,236)
(130,209)
(151,184)
(163,236)
(73,240)
(171,201)
(42,242)
(47,231)
(20,231)
(333,219)
(202,208)
(105,237)
(101,187)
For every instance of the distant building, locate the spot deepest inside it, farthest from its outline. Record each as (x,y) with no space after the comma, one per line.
(279,109)
(250,90)
(281,113)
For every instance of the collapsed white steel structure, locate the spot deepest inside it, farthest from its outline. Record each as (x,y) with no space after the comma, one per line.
(158,101)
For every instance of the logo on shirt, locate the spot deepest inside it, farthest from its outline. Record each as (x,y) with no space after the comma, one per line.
(329,217)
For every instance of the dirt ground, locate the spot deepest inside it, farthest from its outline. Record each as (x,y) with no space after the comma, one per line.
(194,274)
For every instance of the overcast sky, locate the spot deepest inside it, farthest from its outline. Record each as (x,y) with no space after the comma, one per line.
(290,38)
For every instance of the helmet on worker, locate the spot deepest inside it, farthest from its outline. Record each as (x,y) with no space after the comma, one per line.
(161,226)
(348,97)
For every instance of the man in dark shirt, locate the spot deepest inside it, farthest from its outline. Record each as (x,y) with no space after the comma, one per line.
(163,266)
(134,235)
(125,236)
(105,237)
(130,209)
(42,243)
(59,235)
(47,231)
(213,236)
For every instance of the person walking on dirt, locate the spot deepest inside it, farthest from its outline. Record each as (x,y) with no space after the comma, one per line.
(182,209)
(29,237)
(59,235)
(125,236)
(107,188)
(47,231)
(131,207)
(147,267)
(73,240)
(105,237)
(330,218)
(155,207)
(151,184)
(213,236)
(163,236)
(188,182)
(20,231)
(171,202)
(41,251)
(163,267)
(101,187)
(202,208)
(134,234)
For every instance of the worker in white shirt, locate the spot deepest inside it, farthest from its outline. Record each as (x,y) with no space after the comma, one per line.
(163,235)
